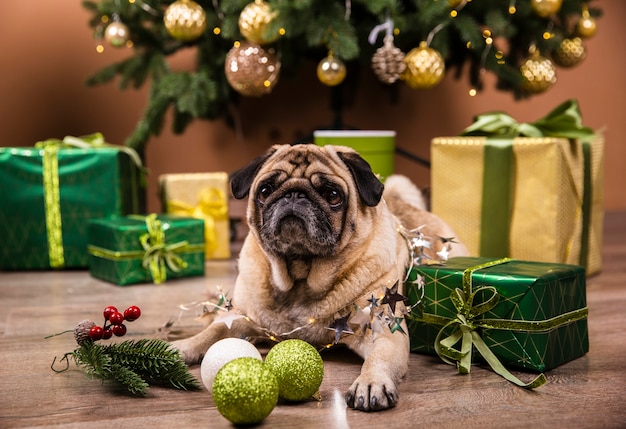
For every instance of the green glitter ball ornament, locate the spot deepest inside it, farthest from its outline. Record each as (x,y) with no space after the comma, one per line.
(245,391)
(298,367)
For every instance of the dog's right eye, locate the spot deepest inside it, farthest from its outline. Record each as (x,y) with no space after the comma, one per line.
(264,192)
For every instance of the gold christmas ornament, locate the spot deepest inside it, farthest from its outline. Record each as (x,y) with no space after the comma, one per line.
(251,70)
(331,71)
(253,22)
(116,34)
(388,62)
(570,52)
(586,27)
(538,74)
(425,67)
(185,20)
(545,8)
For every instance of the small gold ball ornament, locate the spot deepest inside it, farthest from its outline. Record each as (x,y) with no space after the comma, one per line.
(586,27)
(331,71)
(570,52)
(185,20)
(251,70)
(254,20)
(545,8)
(388,62)
(538,73)
(425,67)
(116,34)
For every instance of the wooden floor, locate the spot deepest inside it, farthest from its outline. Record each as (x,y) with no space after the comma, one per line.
(589,392)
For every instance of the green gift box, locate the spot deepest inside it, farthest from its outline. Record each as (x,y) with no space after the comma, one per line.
(49,192)
(141,249)
(529,315)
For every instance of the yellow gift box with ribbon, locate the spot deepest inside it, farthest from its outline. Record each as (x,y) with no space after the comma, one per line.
(202,196)
(526,191)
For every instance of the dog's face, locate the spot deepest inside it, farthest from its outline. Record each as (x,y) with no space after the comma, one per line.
(305,199)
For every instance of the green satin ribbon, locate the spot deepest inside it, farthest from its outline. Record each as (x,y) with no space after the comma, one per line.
(465,324)
(156,255)
(52,196)
(564,121)
(498,195)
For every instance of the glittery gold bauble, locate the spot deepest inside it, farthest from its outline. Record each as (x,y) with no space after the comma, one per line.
(538,74)
(425,67)
(331,71)
(570,52)
(455,3)
(254,20)
(251,70)
(116,34)
(545,8)
(388,62)
(586,27)
(298,368)
(245,391)
(185,20)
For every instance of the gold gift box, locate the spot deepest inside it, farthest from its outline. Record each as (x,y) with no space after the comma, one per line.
(202,196)
(548,221)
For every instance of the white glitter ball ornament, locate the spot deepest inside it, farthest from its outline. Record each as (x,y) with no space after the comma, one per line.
(222,352)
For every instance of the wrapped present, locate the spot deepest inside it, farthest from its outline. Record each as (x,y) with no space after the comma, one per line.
(203,196)
(140,249)
(522,314)
(50,191)
(525,191)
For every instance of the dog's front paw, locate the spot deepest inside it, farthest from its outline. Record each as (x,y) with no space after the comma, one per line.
(372,393)
(191,355)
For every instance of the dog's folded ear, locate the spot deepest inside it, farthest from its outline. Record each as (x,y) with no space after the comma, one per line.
(241,180)
(369,187)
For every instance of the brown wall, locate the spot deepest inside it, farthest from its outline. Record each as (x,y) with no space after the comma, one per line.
(46,52)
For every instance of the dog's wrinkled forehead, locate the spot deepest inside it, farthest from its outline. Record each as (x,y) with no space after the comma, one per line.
(306,161)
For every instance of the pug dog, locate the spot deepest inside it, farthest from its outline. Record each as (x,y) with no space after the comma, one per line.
(326,239)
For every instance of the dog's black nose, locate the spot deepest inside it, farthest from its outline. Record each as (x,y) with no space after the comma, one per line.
(295,195)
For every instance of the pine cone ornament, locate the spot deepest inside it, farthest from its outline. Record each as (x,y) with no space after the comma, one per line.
(388,62)
(81,331)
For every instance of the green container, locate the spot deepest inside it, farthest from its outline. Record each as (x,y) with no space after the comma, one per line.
(551,296)
(38,233)
(376,147)
(118,247)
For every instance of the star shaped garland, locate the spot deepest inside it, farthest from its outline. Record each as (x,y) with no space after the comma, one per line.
(378,315)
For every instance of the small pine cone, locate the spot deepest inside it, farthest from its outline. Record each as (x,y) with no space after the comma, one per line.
(388,62)
(81,331)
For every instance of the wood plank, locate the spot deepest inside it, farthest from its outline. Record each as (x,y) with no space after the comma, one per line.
(587,392)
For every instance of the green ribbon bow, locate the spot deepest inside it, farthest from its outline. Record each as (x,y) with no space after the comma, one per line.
(464,328)
(565,121)
(159,255)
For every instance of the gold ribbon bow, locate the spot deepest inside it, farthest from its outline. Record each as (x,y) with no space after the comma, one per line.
(464,329)
(211,207)
(159,255)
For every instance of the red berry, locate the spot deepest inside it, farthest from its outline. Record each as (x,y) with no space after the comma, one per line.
(108,311)
(107,333)
(116,318)
(96,332)
(119,330)
(132,313)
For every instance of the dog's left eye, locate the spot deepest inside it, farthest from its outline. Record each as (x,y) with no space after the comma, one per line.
(332,196)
